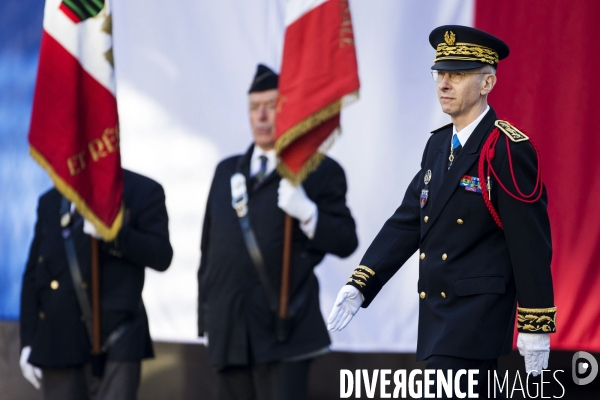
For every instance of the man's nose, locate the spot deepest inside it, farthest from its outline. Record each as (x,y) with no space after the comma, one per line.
(262,112)
(444,84)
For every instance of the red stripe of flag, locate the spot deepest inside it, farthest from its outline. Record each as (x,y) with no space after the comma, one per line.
(74,135)
(72,16)
(318,70)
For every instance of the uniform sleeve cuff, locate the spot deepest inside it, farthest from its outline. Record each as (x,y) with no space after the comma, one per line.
(536,320)
(364,279)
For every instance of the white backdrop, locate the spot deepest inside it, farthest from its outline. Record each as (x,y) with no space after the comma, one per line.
(183,70)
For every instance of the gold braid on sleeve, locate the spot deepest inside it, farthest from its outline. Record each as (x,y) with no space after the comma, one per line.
(536,320)
(361,275)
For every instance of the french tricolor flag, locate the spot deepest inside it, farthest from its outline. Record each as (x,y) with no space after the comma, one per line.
(319,75)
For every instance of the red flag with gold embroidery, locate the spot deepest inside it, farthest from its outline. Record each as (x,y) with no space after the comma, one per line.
(74,132)
(319,75)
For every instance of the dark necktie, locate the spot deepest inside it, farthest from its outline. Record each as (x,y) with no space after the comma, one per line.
(262,172)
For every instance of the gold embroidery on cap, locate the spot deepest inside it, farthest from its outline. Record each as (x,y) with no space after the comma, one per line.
(466,52)
(450,38)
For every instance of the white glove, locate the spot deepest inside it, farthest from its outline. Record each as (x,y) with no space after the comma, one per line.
(32,373)
(347,303)
(90,229)
(535,348)
(294,201)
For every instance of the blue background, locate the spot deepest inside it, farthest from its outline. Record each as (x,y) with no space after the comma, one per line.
(21,179)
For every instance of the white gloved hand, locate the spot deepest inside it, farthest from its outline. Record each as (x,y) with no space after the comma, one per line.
(32,373)
(294,201)
(347,304)
(535,348)
(90,229)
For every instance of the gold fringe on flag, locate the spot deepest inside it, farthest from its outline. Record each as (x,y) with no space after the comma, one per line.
(311,164)
(305,126)
(108,233)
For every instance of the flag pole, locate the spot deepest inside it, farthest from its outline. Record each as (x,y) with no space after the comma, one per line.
(285,268)
(96,331)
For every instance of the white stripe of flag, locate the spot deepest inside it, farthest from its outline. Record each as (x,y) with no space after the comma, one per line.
(294,9)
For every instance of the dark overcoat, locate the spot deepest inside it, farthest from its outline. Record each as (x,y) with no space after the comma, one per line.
(233,307)
(51,319)
(471,272)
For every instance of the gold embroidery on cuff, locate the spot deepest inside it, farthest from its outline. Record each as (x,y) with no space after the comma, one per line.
(361,275)
(369,270)
(536,320)
(359,283)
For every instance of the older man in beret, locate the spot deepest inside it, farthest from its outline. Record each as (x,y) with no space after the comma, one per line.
(257,355)
(481,226)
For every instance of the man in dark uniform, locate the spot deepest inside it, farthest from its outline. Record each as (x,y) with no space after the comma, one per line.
(484,238)
(54,339)
(235,309)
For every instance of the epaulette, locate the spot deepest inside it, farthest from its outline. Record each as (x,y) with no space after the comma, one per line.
(440,128)
(513,133)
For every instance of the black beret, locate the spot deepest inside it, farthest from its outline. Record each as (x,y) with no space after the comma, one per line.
(463,47)
(264,79)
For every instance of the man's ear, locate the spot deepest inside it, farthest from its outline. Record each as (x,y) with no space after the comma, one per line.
(487,84)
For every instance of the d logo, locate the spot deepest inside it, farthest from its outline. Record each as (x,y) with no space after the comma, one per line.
(582,363)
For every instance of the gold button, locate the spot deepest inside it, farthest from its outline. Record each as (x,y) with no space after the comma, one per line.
(443,295)
(460,221)
(40,259)
(422,295)
(54,285)
(84,285)
(422,256)
(42,315)
(444,256)
(83,318)
(426,219)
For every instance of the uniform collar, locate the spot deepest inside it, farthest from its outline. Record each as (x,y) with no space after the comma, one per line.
(466,132)
(255,160)
(445,181)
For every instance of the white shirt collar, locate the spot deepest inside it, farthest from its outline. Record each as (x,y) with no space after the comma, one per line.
(466,132)
(255,160)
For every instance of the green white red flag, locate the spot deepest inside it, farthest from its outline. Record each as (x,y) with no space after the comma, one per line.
(319,75)
(74,133)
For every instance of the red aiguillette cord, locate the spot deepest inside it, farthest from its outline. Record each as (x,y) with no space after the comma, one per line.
(488,152)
